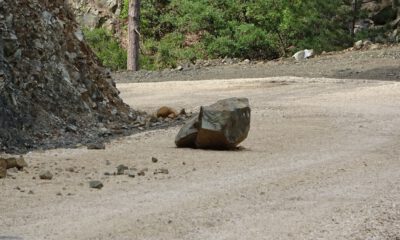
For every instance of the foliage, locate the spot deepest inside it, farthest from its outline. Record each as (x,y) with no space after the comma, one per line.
(107,48)
(185,30)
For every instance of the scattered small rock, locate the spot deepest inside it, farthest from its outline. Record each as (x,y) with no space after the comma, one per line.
(96,146)
(108,162)
(107,174)
(303,54)
(13,170)
(30,192)
(131,174)
(121,169)
(72,128)
(96,184)
(358,45)
(141,173)
(46,175)
(59,194)
(154,160)
(161,171)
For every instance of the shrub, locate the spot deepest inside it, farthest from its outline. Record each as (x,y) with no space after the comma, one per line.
(107,48)
(257,29)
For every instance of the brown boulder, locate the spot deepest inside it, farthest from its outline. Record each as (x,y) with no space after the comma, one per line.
(188,134)
(12,162)
(16,163)
(222,125)
(165,112)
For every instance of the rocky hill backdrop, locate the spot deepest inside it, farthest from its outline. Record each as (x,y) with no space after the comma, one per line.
(53,90)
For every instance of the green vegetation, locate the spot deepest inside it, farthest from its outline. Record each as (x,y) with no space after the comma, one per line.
(107,48)
(176,31)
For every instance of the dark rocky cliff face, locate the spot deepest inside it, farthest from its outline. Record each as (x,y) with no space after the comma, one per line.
(53,91)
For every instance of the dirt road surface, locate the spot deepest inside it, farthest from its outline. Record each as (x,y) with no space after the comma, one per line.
(321,161)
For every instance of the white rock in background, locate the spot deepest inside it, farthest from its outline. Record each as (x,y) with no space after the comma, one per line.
(303,54)
(358,45)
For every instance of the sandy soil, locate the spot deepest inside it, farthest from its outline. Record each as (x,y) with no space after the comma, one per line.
(321,162)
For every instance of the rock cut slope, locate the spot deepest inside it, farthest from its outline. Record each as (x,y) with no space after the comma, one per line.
(52,88)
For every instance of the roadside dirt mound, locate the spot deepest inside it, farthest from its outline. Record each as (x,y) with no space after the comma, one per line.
(53,91)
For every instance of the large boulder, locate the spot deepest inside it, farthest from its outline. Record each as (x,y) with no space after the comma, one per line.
(223,125)
(188,133)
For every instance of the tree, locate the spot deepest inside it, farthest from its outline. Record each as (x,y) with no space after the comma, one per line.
(356,6)
(133,35)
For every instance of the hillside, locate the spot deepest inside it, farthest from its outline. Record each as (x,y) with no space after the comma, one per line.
(177,32)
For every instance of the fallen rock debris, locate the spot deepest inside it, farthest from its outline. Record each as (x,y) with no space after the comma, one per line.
(11,163)
(96,146)
(161,171)
(46,175)
(222,125)
(166,112)
(303,54)
(96,184)
(121,169)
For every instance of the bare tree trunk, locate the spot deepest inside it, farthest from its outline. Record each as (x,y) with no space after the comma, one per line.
(133,35)
(355,12)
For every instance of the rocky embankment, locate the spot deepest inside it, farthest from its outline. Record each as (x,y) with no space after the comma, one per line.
(53,90)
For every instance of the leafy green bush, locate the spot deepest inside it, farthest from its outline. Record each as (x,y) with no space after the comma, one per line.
(124,9)
(106,48)
(256,29)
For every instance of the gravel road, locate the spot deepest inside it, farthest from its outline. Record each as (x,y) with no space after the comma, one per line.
(321,161)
